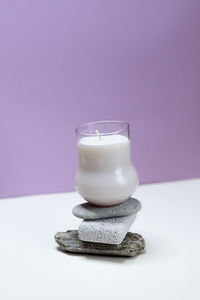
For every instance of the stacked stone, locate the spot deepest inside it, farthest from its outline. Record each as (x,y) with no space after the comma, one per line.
(108,225)
(104,230)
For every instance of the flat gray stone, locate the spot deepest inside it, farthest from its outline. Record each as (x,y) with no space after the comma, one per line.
(107,231)
(132,245)
(92,212)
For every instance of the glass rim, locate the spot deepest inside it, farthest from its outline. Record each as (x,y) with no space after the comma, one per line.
(126,127)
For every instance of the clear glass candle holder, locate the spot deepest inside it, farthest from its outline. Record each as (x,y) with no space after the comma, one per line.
(106,175)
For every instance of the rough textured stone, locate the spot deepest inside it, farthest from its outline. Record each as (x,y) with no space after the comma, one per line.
(107,231)
(132,245)
(91,212)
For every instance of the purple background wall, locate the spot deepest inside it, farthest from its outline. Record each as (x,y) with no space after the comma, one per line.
(64,63)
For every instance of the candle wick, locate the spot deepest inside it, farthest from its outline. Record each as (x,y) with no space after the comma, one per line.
(98,133)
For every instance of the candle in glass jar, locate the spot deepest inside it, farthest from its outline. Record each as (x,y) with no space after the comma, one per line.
(106,175)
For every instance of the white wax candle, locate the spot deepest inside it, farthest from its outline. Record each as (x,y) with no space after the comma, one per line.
(103,140)
(106,175)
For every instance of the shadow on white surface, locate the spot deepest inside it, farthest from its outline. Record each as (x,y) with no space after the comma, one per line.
(102,258)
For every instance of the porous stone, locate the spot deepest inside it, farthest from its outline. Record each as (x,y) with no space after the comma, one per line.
(107,231)
(132,245)
(92,212)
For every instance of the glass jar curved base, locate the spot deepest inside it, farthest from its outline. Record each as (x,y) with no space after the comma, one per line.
(106,196)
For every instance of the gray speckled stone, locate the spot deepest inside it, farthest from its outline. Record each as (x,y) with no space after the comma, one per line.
(91,212)
(107,231)
(132,245)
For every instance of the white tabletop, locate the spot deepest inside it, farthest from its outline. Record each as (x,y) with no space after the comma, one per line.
(31,267)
